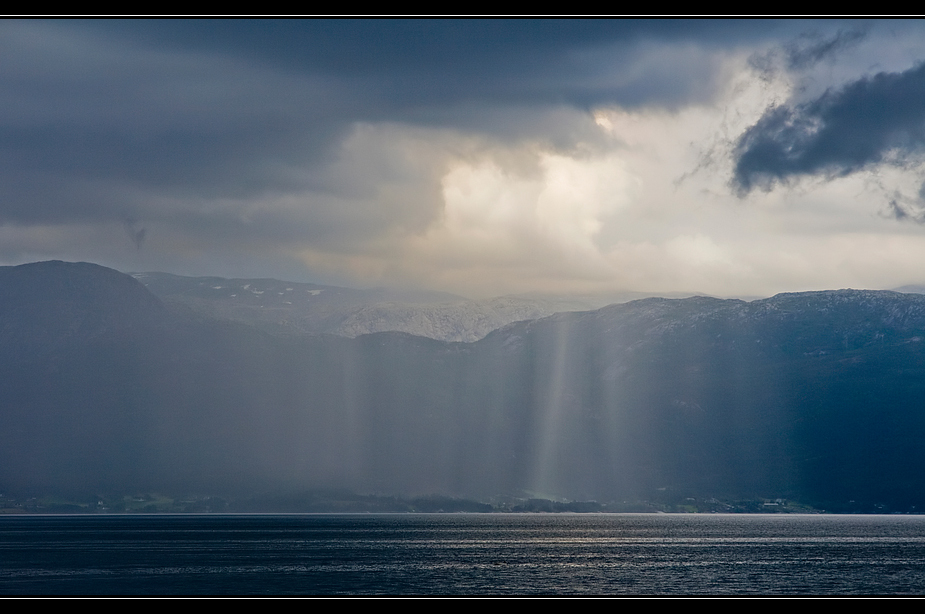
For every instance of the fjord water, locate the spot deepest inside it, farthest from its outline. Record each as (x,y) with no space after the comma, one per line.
(462,554)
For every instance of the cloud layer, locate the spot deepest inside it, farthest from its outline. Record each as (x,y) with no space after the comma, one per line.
(477,157)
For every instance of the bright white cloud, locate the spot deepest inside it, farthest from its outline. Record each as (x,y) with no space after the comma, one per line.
(645,206)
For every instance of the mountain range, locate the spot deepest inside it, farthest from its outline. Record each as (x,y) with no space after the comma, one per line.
(145,383)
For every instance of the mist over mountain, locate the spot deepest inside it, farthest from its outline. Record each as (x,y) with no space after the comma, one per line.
(286,308)
(814,396)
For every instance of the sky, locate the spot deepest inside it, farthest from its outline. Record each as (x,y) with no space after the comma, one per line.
(478,157)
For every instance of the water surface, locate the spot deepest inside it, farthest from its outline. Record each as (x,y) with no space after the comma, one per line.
(462,554)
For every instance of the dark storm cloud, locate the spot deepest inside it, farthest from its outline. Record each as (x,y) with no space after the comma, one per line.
(101,113)
(878,119)
(422,62)
(323,142)
(97,116)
